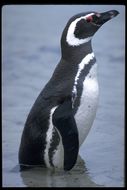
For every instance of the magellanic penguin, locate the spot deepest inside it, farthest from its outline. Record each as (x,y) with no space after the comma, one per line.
(63,113)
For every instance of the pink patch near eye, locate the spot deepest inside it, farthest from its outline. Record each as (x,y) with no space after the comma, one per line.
(89,19)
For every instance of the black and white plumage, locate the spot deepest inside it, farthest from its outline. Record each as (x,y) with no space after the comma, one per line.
(63,113)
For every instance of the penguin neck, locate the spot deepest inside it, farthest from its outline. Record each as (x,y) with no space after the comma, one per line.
(75,54)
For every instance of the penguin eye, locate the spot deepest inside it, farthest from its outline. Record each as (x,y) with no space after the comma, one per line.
(89,19)
(93,18)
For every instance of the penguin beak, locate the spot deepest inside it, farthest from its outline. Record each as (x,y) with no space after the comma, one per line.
(99,19)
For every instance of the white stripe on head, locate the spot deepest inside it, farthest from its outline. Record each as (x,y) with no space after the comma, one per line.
(71,39)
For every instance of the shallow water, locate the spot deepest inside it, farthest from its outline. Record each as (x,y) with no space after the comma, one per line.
(30,52)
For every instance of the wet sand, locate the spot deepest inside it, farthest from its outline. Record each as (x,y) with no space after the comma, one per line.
(40,177)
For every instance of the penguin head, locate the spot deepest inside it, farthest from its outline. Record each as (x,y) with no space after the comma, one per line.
(81,27)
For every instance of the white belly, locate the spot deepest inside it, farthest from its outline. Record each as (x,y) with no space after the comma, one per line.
(84,117)
(88,105)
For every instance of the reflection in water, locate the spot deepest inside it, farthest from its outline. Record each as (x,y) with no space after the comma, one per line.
(41,177)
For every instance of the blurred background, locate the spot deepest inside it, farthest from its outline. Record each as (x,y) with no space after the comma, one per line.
(30,52)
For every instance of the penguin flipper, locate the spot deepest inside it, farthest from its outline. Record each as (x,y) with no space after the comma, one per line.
(63,120)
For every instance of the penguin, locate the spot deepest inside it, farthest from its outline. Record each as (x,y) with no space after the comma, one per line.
(63,113)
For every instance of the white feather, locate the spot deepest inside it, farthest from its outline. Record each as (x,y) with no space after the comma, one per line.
(71,39)
(49,135)
(88,104)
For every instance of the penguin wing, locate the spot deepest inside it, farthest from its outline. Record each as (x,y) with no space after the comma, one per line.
(63,120)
